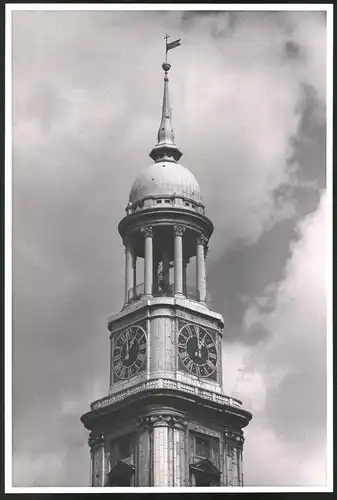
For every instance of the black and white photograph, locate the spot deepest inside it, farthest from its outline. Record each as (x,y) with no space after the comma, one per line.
(168,218)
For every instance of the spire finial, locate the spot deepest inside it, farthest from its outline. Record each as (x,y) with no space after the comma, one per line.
(166,37)
(165,148)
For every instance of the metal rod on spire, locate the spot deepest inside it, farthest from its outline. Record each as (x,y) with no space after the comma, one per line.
(166,37)
(166,148)
(170,45)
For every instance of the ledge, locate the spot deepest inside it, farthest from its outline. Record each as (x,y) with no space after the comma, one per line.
(183,303)
(165,384)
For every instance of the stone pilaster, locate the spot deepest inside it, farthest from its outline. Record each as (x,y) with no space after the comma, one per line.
(233,446)
(96,444)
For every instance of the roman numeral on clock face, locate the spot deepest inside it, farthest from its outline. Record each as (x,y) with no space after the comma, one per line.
(129,354)
(122,339)
(118,366)
(210,364)
(198,371)
(185,335)
(183,356)
(197,350)
(141,357)
(188,363)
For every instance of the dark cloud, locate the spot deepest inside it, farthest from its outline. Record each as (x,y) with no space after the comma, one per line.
(245,272)
(256,333)
(292,49)
(309,151)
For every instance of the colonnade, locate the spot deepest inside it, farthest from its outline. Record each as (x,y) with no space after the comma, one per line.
(180,265)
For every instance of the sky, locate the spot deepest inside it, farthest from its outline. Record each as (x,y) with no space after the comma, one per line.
(248,97)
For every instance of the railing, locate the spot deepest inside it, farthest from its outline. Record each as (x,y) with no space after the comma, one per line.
(192,293)
(136,293)
(166,384)
(167,290)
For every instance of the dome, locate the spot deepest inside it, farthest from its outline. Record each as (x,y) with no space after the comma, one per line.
(165,179)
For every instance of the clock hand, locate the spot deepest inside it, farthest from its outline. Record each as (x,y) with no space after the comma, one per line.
(198,353)
(202,342)
(127,347)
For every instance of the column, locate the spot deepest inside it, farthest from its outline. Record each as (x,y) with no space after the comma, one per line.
(166,270)
(185,264)
(178,259)
(178,426)
(185,477)
(144,471)
(201,272)
(235,478)
(179,456)
(233,441)
(107,468)
(91,471)
(148,264)
(96,443)
(134,277)
(240,466)
(155,276)
(160,453)
(229,465)
(128,271)
(166,448)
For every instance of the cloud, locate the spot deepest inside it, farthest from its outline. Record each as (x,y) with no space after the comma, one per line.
(86,99)
(283,376)
(37,469)
(82,77)
(279,464)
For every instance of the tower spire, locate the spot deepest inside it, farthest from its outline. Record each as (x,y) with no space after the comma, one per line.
(166,149)
(165,132)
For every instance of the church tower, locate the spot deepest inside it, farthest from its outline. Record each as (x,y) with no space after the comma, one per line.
(166,420)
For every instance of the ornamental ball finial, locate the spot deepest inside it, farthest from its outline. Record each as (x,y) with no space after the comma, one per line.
(166,66)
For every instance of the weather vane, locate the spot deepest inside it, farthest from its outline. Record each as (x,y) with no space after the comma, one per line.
(170,45)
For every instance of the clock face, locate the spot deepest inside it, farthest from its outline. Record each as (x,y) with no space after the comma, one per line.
(197,350)
(129,353)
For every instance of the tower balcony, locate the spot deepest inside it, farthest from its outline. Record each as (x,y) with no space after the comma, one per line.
(136,293)
(155,385)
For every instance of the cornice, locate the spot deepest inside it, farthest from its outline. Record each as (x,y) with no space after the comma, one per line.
(179,303)
(168,216)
